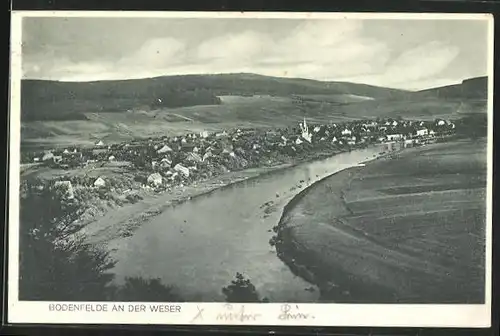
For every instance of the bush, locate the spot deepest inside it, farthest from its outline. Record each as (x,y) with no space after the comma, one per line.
(241,290)
(150,290)
(52,267)
(133,198)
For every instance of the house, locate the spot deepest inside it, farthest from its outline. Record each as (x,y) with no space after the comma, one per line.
(193,157)
(57,158)
(112,158)
(166,162)
(181,169)
(346,132)
(422,132)
(394,137)
(164,149)
(221,134)
(204,134)
(206,156)
(99,182)
(48,156)
(99,143)
(155,180)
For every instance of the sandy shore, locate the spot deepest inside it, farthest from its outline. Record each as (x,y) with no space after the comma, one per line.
(351,249)
(120,223)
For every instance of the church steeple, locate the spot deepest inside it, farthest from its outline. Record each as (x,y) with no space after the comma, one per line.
(305,131)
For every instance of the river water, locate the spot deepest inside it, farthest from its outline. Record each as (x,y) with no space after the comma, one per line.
(198,246)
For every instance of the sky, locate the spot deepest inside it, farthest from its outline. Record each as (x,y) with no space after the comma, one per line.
(405,54)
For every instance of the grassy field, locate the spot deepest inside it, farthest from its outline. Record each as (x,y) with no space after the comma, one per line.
(234,112)
(57,114)
(410,228)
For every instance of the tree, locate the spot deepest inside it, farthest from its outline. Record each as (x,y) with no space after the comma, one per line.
(241,290)
(54,264)
(149,290)
(57,265)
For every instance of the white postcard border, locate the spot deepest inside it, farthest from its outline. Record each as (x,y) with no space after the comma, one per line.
(375,315)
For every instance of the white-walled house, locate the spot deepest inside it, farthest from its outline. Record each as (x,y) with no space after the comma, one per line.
(394,137)
(48,156)
(164,149)
(422,132)
(99,182)
(346,132)
(181,169)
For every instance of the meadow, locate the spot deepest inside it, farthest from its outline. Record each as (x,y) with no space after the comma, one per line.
(57,114)
(408,228)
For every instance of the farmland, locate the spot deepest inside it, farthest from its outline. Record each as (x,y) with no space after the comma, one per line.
(116,111)
(409,228)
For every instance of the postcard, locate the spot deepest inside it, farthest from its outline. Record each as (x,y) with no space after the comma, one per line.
(223,168)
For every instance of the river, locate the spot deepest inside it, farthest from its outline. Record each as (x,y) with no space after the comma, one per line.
(198,246)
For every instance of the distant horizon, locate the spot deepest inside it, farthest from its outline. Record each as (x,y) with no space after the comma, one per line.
(400,54)
(255,74)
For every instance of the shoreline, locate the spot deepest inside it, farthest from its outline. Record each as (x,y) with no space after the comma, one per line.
(303,261)
(289,251)
(154,205)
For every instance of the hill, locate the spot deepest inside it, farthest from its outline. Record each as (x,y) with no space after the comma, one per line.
(53,100)
(453,101)
(63,113)
(473,88)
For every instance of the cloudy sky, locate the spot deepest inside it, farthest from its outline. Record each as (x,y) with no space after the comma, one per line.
(408,54)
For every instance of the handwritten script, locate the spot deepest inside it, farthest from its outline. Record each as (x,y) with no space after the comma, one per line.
(292,312)
(236,313)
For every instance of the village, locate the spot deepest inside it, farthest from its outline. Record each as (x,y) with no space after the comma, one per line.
(168,162)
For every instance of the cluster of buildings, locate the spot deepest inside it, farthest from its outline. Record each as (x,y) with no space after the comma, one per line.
(180,159)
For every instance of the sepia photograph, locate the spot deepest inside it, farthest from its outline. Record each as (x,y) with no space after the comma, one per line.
(250,160)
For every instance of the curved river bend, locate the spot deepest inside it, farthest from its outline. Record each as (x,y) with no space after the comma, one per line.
(198,246)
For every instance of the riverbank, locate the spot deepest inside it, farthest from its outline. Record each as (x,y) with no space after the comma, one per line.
(123,221)
(404,229)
